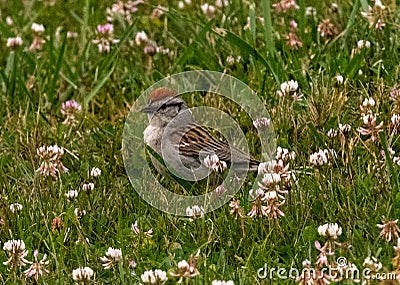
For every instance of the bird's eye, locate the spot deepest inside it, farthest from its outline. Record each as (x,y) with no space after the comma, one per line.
(173,105)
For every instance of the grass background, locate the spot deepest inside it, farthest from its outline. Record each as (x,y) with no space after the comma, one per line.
(353,192)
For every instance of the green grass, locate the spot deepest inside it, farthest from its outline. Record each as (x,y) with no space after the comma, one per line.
(355,191)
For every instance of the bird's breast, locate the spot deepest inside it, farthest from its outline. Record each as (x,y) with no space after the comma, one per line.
(151,137)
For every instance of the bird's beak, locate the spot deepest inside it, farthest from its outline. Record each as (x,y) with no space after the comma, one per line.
(148,110)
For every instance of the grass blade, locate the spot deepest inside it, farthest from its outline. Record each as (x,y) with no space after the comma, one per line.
(192,47)
(389,162)
(315,133)
(185,184)
(109,65)
(268,34)
(248,50)
(97,88)
(350,23)
(56,72)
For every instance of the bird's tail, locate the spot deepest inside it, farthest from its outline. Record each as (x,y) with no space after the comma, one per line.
(248,165)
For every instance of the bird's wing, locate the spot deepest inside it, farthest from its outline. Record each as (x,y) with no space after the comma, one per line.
(198,140)
(197,143)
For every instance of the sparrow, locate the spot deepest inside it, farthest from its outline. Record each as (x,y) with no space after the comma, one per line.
(182,143)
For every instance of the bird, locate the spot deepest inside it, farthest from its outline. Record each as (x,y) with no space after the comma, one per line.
(184,144)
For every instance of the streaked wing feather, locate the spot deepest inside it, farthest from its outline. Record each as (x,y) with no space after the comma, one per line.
(198,139)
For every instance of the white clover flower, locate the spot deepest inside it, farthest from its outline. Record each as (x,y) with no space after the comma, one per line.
(51,160)
(287,87)
(369,120)
(154,277)
(322,229)
(266,203)
(95,172)
(332,133)
(270,195)
(71,194)
(222,3)
(284,154)
(123,9)
(230,60)
(389,229)
(16,252)
(375,15)
(395,119)
(271,179)
(37,28)
(344,128)
(183,265)
(83,274)
(318,158)
(222,282)
(285,5)
(181,5)
(397,247)
(79,213)
(69,109)
(14,42)
(136,231)
(322,157)
(141,38)
(112,257)
(158,11)
(368,102)
(208,10)
(195,212)
(15,207)
(72,35)
(105,37)
(9,21)
(370,124)
(209,161)
(220,190)
(264,167)
(339,79)
(186,269)
(396,160)
(255,193)
(38,267)
(14,245)
(378,3)
(214,163)
(88,187)
(311,11)
(290,88)
(362,43)
(372,263)
(276,166)
(262,123)
(330,230)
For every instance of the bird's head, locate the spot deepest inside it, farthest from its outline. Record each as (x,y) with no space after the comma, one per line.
(163,105)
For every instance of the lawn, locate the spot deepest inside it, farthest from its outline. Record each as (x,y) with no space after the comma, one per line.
(326,202)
